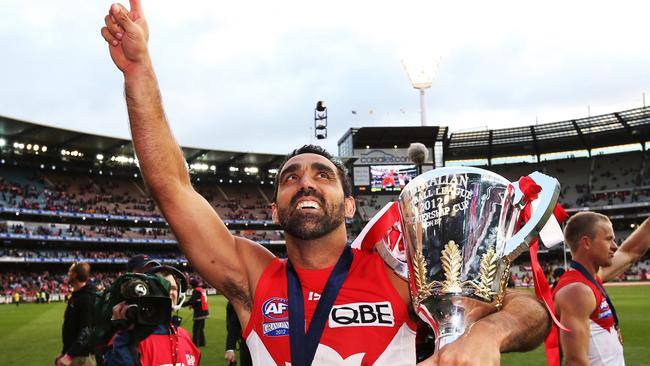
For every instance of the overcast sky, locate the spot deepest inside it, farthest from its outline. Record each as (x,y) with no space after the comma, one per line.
(246,75)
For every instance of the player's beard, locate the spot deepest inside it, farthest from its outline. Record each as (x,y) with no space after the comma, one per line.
(306,225)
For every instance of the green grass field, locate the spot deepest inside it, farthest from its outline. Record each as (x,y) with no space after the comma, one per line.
(30,333)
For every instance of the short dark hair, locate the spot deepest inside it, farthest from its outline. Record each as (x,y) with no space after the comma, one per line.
(342,171)
(582,224)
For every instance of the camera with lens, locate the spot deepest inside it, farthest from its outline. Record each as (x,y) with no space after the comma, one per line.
(148,302)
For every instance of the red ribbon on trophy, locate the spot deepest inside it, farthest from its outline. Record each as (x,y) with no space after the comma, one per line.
(530,191)
(386,226)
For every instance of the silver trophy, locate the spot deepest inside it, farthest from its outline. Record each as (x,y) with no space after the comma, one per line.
(460,232)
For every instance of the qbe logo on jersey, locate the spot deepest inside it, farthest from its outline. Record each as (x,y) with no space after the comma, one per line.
(276,310)
(362,314)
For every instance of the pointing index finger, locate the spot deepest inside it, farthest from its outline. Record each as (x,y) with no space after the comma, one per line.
(136,5)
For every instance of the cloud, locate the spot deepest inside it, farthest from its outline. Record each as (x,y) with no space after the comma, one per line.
(246,76)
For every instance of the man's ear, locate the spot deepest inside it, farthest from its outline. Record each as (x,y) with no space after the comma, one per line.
(350,207)
(274,213)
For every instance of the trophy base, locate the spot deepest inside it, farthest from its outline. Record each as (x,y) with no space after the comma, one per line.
(453,315)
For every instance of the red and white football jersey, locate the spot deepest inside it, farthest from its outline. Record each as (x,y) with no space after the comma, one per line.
(369,323)
(604,345)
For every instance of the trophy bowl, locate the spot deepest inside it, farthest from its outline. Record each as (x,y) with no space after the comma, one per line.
(461,232)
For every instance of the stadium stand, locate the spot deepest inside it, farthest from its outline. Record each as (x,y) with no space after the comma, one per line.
(67,196)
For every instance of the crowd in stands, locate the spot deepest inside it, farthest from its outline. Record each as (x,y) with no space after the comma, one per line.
(46,285)
(81,255)
(596,181)
(119,196)
(30,284)
(63,196)
(67,230)
(86,231)
(521,275)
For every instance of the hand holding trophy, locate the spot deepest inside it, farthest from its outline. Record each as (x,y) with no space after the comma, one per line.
(461,233)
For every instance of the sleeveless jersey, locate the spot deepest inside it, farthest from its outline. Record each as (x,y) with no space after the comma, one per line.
(604,345)
(369,323)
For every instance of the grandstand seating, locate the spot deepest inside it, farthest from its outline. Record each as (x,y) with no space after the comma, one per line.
(599,180)
(23,188)
(60,234)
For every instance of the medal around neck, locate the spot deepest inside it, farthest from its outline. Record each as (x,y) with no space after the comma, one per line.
(460,227)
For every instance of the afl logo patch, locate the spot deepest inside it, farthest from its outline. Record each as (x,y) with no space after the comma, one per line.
(276,308)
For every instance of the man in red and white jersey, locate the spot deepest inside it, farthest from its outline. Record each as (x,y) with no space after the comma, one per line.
(326,304)
(581,302)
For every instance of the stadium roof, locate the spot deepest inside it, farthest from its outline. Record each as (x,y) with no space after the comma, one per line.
(619,128)
(57,139)
(630,126)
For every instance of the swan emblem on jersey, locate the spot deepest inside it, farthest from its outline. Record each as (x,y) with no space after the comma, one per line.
(326,355)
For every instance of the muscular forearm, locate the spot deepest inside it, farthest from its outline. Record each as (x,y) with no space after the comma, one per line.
(521,325)
(160,158)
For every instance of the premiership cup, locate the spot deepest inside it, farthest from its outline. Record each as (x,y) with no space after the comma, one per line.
(461,234)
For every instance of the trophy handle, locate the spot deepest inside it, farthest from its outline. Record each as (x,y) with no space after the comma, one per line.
(548,197)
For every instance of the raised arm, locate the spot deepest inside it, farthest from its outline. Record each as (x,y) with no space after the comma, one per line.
(632,249)
(573,304)
(520,326)
(231,264)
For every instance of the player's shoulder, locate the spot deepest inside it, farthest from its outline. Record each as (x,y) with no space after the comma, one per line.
(253,253)
(575,297)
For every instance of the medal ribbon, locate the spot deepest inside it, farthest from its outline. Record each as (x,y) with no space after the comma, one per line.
(580,268)
(303,346)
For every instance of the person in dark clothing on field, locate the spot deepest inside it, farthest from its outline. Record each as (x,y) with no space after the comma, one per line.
(77,321)
(199,303)
(234,339)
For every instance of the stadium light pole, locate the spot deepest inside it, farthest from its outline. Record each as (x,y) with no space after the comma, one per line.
(421,72)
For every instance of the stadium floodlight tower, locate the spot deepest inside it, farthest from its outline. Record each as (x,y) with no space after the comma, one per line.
(320,120)
(421,71)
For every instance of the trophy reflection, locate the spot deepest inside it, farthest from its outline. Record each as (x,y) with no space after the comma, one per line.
(461,234)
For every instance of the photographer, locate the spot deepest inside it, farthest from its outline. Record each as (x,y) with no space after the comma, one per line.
(78,319)
(168,344)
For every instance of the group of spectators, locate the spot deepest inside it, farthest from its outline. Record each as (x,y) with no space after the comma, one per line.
(63,193)
(116,232)
(243,207)
(46,194)
(36,286)
(79,255)
(30,284)
(522,275)
(86,231)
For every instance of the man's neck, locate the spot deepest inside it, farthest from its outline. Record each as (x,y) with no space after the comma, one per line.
(591,268)
(317,253)
(77,285)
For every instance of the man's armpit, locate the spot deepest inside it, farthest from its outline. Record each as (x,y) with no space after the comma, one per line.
(237,294)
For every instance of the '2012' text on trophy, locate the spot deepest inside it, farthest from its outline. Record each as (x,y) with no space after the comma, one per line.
(460,232)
